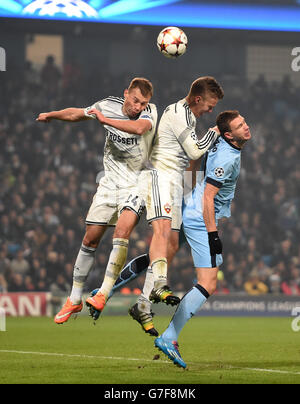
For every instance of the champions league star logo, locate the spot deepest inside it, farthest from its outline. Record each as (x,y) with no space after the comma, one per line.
(84,10)
(57,8)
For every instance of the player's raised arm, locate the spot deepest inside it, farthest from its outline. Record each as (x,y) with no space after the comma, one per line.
(68,114)
(194,147)
(136,127)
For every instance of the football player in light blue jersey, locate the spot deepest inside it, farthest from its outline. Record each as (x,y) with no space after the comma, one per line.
(209,201)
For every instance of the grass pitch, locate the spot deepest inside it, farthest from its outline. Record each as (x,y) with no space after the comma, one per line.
(116,351)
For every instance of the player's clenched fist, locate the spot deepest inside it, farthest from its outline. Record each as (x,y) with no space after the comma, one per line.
(98,114)
(43,117)
(215,244)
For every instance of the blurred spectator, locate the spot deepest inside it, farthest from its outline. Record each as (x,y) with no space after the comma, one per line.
(274,284)
(48,178)
(41,281)
(291,285)
(29,284)
(221,284)
(72,75)
(4,268)
(60,286)
(3,284)
(19,265)
(254,285)
(16,283)
(50,75)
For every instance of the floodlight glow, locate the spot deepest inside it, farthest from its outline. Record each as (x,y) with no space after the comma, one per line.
(159,12)
(128,6)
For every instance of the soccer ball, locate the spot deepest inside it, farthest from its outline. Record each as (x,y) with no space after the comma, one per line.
(172,42)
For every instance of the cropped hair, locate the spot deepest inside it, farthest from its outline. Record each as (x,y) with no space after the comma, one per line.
(224,119)
(143,84)
(204,85)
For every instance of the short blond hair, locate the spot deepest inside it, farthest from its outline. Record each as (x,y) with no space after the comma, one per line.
(206,85)
(143,84)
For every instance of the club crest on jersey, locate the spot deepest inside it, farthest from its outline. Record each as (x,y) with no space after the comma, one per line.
(167,208)
(219,172)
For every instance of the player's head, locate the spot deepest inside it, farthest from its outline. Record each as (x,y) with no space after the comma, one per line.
(204,94)
(137,96)
(233,127)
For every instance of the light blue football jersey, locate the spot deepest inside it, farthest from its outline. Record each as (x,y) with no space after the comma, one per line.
(220,167)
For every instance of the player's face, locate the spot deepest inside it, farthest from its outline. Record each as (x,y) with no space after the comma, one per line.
(134,102)
(204,104)
(240,131)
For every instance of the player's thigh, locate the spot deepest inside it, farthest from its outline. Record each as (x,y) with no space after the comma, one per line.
(104,205)
(197,238)
(156,191)
(125,224)
(160,239)
(162,228)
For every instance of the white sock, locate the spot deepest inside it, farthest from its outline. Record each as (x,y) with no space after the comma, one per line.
(83,265)
(160,270)
(115,265)
(144,303)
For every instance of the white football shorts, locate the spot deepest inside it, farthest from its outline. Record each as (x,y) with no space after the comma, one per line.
(162,193)
(110,200)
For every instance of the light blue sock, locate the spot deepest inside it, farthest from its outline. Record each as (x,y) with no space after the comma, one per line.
(189,305)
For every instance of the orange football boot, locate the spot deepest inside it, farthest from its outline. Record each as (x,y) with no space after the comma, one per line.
(97,301)
(67,310)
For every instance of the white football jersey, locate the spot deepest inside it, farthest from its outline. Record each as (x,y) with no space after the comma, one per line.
(125,154)
(176,141)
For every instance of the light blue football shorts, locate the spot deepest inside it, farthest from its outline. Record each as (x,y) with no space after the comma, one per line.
(197,238)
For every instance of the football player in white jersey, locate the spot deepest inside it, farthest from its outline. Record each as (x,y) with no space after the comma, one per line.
(130,124)
(176,143)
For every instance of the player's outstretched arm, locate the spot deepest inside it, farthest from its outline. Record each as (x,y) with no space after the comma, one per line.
(68,114)
(138,127)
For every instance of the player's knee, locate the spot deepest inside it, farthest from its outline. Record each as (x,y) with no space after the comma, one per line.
(91,239)
(162,231)
(88,242)
(211,286)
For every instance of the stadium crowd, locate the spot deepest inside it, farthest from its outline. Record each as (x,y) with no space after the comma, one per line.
(49,171)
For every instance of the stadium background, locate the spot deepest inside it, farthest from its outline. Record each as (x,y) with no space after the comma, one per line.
(48,172)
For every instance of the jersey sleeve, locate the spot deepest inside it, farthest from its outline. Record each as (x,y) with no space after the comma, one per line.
(195,147)
(218,171)
(97,106)
(150,114)
(184,129)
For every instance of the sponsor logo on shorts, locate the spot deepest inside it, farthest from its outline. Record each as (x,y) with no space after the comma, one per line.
(167,207)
